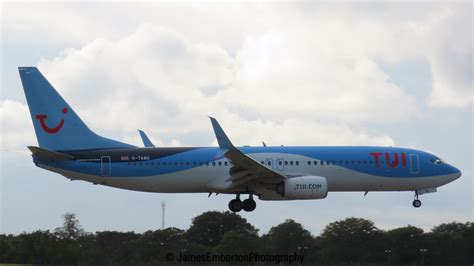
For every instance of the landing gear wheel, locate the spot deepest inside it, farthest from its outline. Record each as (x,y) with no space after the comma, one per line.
(249,205)
(235,205)
(417,203)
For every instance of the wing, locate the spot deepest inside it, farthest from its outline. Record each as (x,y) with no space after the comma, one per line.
(245,170)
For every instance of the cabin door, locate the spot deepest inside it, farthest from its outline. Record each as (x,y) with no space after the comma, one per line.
(105,166)
(414,164)
(280,164)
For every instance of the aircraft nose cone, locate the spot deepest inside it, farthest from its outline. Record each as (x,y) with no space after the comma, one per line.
(456,172)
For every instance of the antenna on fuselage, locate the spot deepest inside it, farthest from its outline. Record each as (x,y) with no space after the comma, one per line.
(163,205)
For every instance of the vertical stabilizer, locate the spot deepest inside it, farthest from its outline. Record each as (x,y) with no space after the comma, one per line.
(57,126)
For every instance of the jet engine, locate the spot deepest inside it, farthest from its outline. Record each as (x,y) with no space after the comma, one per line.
(303,187)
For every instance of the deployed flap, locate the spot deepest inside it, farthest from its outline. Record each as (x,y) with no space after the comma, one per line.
(245,169)
(146,141)
(47,154)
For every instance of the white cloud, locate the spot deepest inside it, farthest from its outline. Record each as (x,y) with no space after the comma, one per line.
(16,126)
(157,78)
(330,39)
(303,68)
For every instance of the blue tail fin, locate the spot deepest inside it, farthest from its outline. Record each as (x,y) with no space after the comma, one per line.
(57,126)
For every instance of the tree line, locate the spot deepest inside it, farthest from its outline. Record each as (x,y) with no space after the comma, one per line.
(352,241)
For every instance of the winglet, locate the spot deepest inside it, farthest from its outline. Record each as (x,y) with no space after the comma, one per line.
(146,141)
(222,139)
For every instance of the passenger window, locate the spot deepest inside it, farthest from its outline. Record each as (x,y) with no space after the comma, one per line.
(309,162)
(297,162)
(286,162)
(291,162)
(269,162)
(262,162)
(315,162)
(220,163)
(280,163)
(213,163)
(207,163)
(225,163)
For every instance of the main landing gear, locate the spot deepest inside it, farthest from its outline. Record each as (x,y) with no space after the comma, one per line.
(247,205)
(416,202)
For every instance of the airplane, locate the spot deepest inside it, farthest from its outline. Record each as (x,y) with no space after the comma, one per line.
(68,147)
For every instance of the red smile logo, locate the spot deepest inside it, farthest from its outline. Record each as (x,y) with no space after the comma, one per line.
(51,130)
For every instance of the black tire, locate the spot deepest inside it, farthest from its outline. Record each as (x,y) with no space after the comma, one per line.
(416,203)
(249,205)
(235,205)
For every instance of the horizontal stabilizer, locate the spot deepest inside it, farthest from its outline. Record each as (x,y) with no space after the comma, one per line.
(47,154)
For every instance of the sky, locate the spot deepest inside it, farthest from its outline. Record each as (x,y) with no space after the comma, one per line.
(390,74)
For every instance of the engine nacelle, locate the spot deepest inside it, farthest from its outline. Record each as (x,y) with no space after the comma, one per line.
(303,187)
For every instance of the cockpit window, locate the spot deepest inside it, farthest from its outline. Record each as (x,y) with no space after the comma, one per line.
(436,160)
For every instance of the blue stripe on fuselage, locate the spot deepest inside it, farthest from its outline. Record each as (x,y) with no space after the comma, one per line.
(193,157)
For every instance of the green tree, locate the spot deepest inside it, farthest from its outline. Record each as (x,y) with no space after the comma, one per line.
(208,228)
(451,244)
(288,237)
(152,246)
(405,243)
(240,243)
(453,228)
(71,228)
(38,247)
(115,246)
(351,240)
(69,249)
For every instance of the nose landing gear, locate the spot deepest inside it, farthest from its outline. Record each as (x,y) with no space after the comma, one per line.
(248,205)
(416,202)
